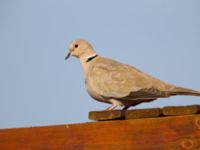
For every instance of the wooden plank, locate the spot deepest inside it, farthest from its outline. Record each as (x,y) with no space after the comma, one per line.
(163,133)
(128,114)
(106,115)
(143,113)
(180,110)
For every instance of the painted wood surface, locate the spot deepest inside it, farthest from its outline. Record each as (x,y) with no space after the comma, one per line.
(161,133)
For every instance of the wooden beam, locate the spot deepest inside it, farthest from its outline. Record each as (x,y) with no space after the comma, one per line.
(106,115)
(180,110)
(144,113)
(168,133)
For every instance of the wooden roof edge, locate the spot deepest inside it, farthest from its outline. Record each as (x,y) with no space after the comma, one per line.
(171,132)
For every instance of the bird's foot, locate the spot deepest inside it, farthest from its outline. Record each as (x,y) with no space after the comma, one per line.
(113,106)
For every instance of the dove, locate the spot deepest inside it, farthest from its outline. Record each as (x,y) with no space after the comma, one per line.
(119,84)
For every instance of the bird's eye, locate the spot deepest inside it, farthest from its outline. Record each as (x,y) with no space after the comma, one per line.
(76,45)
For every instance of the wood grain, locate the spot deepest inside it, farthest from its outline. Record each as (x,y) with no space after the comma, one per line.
(143,113)
(162,133)
(106,115)
(180,110)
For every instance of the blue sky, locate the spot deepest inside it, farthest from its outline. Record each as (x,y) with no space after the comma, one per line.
(38,87)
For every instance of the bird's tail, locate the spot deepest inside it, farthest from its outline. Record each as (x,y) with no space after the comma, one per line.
(185,91)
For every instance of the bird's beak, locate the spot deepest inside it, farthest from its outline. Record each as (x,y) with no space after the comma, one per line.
(68,55)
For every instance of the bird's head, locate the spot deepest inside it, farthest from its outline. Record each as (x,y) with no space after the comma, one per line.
(80,49)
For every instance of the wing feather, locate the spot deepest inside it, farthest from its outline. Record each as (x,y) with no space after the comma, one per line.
(113,79)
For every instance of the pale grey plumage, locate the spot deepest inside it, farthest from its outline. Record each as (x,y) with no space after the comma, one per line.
(120,84)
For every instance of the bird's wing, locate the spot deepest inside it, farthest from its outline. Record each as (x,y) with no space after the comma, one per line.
(112,79)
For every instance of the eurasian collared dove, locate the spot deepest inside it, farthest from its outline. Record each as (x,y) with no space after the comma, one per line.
(119,84)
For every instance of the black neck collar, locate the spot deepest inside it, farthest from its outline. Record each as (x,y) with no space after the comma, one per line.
(91,58)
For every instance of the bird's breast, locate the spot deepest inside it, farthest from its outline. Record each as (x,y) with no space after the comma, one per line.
(94,93)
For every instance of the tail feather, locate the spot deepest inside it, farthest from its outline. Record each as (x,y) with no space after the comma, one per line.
(185,91)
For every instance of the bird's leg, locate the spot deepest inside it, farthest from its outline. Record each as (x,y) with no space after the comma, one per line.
(113,106)
(114,103)
(126,107)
